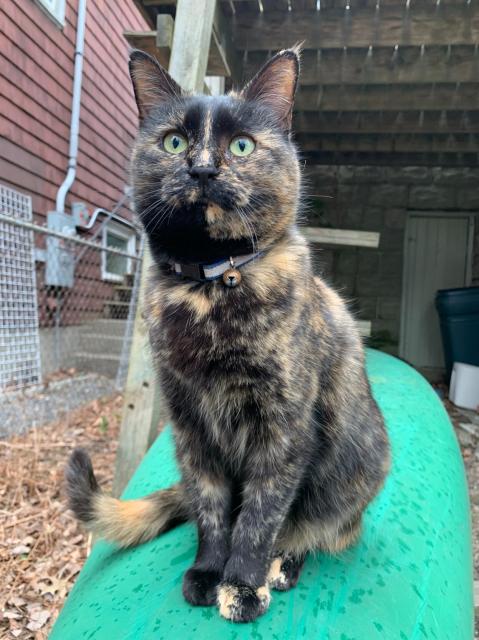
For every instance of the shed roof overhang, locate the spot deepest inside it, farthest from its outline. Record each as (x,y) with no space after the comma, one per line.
(383,81)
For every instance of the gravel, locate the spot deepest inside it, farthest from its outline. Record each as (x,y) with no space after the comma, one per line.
(466,425)
(20,411)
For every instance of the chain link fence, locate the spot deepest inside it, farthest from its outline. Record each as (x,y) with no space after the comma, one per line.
(67,297)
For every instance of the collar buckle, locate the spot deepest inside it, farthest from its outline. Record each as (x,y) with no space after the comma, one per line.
(193,271)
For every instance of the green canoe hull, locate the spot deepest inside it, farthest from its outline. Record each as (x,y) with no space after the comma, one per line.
(408,578)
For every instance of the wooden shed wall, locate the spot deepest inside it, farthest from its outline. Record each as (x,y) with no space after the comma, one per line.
(36,76)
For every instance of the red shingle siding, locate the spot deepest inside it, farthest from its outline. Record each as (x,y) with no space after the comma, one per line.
(36,76)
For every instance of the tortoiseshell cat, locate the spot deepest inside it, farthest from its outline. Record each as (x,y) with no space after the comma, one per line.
(279,441)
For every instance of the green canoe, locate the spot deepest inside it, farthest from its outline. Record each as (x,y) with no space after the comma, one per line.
(409,577)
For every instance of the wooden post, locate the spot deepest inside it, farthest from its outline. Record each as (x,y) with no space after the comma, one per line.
(141,408)
(191,43)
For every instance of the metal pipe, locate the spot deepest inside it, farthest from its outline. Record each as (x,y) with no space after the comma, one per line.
(24,224)
(76,101)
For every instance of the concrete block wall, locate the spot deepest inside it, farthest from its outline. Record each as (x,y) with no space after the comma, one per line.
(374,198)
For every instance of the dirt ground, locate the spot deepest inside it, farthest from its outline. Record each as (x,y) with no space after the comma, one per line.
(42,548)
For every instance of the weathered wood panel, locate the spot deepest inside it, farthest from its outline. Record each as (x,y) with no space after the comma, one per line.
(387,122)
(407,65)
(436,143)
(337,28)
(388,98)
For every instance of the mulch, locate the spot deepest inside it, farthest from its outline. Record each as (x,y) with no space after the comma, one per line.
(42,548)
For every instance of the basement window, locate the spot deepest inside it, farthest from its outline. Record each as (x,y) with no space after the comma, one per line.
(55,9)
(114,267)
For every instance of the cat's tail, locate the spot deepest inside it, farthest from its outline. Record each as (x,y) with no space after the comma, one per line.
(125,522)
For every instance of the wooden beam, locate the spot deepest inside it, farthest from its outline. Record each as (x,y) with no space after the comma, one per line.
(386,122)
(448,143)
(141,407)
(223,38)
(388,98)
(336,28)
(395,159)
(191,43)
(141,410)
(407,65)
(347,237)
(158,44)
(142,9)
(364,327)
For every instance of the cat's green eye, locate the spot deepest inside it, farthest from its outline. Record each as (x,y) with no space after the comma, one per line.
(242,146)
(175,142)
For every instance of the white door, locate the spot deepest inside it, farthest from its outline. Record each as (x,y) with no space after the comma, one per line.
(436,257)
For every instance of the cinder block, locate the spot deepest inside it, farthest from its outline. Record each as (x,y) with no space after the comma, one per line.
(395,218)
(392,263)
(345,284)
(391,240)
(388,328)
(367,307)
(456,175)
(389,195)
(373,218)
(467,198)
(347,261)
(356,173)
(322,173)
(378,285)
(408,175)
(352,217)
(389,308)
(368,261)
(432,197)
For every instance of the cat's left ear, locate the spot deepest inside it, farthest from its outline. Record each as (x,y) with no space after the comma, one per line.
(275,85)
(152,84)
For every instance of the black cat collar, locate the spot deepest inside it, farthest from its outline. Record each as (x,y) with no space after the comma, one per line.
(225,269)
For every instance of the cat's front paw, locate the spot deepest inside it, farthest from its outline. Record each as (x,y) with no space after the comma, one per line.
(242,603)
(200,587)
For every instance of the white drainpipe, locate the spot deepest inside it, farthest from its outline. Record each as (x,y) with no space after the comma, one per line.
(75,117)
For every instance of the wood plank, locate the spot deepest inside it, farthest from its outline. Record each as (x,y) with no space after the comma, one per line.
(141,407)
(141,410)
(349,237)
(222,59)
(386,122)
(337,28)
(382,66)
(388,98)
(364,327)
(436,143)
(223,36)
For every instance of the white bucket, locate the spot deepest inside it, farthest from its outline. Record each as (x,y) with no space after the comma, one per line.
(464,387)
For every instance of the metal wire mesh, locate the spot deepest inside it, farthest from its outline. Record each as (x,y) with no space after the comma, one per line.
(66,302)
(19,335)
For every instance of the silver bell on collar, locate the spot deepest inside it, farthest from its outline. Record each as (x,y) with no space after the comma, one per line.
(232,276)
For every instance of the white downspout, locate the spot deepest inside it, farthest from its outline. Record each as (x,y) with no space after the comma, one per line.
(75,117)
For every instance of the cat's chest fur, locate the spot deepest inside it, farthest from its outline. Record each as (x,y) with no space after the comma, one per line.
(216,334)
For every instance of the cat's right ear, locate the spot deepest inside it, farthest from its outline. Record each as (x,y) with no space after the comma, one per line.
(151,83)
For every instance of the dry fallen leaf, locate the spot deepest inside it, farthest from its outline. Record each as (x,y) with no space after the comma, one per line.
(20,550)
(38,617)
(42,548)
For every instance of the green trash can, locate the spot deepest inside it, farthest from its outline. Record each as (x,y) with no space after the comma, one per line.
(459,318)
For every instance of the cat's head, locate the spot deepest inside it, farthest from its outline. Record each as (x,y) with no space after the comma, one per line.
(215,176)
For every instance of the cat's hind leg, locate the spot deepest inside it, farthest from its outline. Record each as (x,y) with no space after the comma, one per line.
(285,570)
(298,538)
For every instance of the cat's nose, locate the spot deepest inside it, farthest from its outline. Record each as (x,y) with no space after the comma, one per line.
(203,173)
